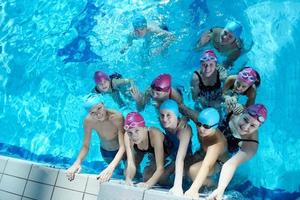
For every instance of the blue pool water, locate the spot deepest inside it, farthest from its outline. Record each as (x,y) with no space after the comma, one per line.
(49,51)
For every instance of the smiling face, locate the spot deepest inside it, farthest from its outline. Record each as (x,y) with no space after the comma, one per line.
(103,85)
(137,134)
(168,118)
(246,124)
(240,87)
(208,67)
(226,37)
(98,112)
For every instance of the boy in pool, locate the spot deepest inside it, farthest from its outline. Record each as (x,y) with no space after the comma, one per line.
(226,40)
(109,126)
(114,84)
(148,31)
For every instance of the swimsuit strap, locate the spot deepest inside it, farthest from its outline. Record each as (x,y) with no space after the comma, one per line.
(248,140)
(170,93)
(200,82)
(97,90)
(111,85)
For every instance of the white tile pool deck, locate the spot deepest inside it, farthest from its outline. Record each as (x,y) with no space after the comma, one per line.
(24,180)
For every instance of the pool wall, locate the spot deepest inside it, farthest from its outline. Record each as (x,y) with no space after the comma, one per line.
(24,180)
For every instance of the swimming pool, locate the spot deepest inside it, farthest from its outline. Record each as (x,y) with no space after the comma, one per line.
(50,50)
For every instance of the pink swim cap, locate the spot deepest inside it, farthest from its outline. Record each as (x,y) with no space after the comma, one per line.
(248,75)
(99,76)
(134,119)
(259,111)
(208,55)
(162,83)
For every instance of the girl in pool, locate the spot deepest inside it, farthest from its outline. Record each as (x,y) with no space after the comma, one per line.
(241,132)
(245,83)
(141,140)
(114,84)
(160,90)
(213,147)
(178,136)
(207,82)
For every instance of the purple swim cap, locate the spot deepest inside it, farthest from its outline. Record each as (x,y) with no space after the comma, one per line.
(134,119)
(248,76)
(162,83)
(208,55)
(99,76)
(259,111)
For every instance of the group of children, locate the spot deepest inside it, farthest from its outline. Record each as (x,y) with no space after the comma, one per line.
(226,141)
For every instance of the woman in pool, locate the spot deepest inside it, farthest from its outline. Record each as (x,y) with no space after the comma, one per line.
(114,84)
(141,140)
(213,148)
(241,132)
(178,136)
(245,83)
(207,82)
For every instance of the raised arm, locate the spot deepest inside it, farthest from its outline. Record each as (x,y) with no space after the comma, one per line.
(122,82)
(247,151)
(184,138)
(140,99)
(75,168)
(212,154)
(204,39)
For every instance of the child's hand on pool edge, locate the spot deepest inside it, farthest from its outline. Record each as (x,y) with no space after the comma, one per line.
(105,174)
(70,173)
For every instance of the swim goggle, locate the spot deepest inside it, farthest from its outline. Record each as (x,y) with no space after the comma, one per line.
(208,58)
(159,89)
(253,113)
(132,125)
(247,75)
(199,124)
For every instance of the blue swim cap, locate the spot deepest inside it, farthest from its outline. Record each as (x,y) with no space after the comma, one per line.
(170,104)
(90,100)
(139,21)
(209,116)
(234,27)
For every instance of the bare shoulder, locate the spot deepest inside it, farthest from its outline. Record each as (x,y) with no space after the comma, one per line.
(230,79)
(184,128)
(155,132)
(195,77)
(115,116)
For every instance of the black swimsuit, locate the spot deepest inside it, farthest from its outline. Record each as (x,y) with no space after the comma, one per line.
(232,142)
(149,150)
(210,93)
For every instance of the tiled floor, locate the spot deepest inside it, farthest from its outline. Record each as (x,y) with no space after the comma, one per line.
(23,180)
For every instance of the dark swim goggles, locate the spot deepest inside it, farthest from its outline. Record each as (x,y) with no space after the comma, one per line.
(159,89)
(199,124)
